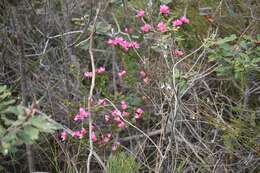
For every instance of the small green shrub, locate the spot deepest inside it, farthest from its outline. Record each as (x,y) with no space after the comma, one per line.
(19,125)
(236,57)
(121,162)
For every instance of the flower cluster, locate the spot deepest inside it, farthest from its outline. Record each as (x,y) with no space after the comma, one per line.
(122,73)
(105,138)
(79,133)
(164,9)
(102,102)
(126,45)
(181,21)
(138,113)
(178,53)
(99,70)
(118,117)
(64,136)
(113,117)
(83,114)
(140,13)
(146,28)
(144,76)
(162,26)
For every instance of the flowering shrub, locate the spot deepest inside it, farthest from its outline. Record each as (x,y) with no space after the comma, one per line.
(141,81)
(122,114)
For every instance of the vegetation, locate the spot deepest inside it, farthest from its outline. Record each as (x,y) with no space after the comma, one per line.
(129,86)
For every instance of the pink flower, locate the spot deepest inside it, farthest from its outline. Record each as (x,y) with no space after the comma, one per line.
(142,74)
(146,80)
(123,105)
(78,118)
(64,136)
(140,13)
(109,135)
(122,73)
(101,70)
(126,30)
(118,40)
(83,112)
(112,42)
(178,53)
(125,44)
(115,146)
(164,9)
(81,115)
(79,134)
(88,74)
(125,114)
(102,102)
(83,132)
(134,44)
(121,124)
(117,119)
(177,23)
(162,27)
(107,118)
(106,138)
(76,134)
(93,136)
(184,19)
(137,116)
(116,113)
(138,113)
(146,28)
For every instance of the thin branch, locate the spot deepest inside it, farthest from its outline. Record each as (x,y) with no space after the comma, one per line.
(91,93)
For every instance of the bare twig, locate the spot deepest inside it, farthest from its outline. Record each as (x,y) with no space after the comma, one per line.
(91,92)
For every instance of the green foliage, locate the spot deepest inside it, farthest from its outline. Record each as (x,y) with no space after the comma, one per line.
(121,162)
(18,125)
(242,132)
(236,57)
(166,1)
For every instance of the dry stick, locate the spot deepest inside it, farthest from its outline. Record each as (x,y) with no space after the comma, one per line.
(153,133)
(91,90)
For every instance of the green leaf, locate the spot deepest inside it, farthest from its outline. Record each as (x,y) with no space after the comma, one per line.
(17,110)
(177,74)
(3,89)
(226,39)
(33,133)
(2,130)
(5,104)
(5,95)
(39,121)
(102,27)
(84,45)
(42,123)
(165,1)
(7,121)
(11,136)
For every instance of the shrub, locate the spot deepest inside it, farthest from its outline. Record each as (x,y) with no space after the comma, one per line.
(19,125)
(121,162)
